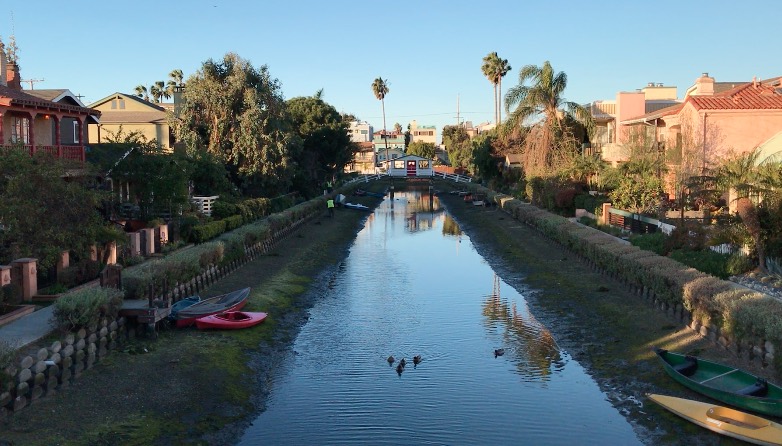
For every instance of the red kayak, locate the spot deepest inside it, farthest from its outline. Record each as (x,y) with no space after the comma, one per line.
(231,320)
(233,301)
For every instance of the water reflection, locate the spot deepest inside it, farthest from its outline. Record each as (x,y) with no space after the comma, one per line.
(402,292)
(530,345)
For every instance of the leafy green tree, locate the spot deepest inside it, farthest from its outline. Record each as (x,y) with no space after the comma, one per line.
(380,89)
(236,112)
(484,159)
(421,148)
(639,194)
(398,128)
(326,144)
(42,212)
(495,68)
(458,146)
(542,100)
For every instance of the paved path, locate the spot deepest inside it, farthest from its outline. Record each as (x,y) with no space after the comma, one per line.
(28,329)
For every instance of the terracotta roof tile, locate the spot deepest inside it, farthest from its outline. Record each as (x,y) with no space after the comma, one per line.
(749,96)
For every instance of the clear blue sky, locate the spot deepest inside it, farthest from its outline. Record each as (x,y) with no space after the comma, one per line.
(430,51)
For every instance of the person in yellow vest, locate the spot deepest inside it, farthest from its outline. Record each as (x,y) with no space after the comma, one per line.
(330,204)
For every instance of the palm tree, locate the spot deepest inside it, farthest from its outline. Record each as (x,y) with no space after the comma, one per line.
(489,67)
(543,99)
(744,178)
(141,91)
(158,91)
(175,80)
(380,89)
(495,68)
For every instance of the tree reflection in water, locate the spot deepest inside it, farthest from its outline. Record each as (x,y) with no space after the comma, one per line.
(528,344)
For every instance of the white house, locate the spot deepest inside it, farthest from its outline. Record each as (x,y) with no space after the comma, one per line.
(411,166)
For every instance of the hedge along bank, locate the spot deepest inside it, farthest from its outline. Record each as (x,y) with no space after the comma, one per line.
(747,322)
(90,314)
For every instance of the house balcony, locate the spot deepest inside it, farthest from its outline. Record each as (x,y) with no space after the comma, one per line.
(70,153)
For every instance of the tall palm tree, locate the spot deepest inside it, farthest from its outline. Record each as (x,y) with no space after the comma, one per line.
(503,68)
(489,68)
(141,91)
(158,91)
(380,89)
(495,68)
(175,80)
(543,100)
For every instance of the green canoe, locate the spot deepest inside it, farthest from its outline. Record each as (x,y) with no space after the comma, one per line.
(723,383)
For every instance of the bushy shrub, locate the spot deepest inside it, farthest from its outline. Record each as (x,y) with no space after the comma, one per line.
(221,210)
(186,225)
(592,204)
(689,235)
(86,307)
(207,231)
(706,261)
(654,242)
(739,264)
(11,294)
(564,200)
(233,222)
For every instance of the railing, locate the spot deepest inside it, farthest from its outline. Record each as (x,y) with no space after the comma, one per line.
(366,178)
(73,153)
(454,177)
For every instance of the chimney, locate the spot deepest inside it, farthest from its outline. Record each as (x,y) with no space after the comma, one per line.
(704,86)
(12,78)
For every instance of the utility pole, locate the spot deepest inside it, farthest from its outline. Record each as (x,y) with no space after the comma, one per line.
(31,82)
(458,121)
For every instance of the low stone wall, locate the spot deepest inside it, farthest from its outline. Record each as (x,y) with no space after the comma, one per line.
(43,370)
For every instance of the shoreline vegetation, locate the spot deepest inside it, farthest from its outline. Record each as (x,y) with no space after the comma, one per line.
(202,387)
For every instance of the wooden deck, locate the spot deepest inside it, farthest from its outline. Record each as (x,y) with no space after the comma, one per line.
(144,314)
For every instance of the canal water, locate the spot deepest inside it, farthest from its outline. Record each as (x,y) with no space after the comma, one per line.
(413,284)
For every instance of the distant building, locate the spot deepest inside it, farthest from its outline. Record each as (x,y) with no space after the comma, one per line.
(423,133)
(132,114)
(363,160)
(360,131)
(608,115)
(396,146)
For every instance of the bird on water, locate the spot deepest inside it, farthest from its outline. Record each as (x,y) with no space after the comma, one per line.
(499,352)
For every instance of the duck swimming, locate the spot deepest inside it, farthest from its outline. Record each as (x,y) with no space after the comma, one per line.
(403,362)
(390,360)
(400,368)
(416,359)
(499,352)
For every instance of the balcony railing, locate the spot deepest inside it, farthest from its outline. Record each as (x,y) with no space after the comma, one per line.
(72,153)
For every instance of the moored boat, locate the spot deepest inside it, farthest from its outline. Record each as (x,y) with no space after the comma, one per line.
(723,420)
(356,206)
(182,304)
(231,320)
(723,383)
(232,301)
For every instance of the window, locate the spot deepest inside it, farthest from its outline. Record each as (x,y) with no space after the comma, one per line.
(121,104)
(75,131)
(20,130)
(423,164)
(113,104)
(399,164)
